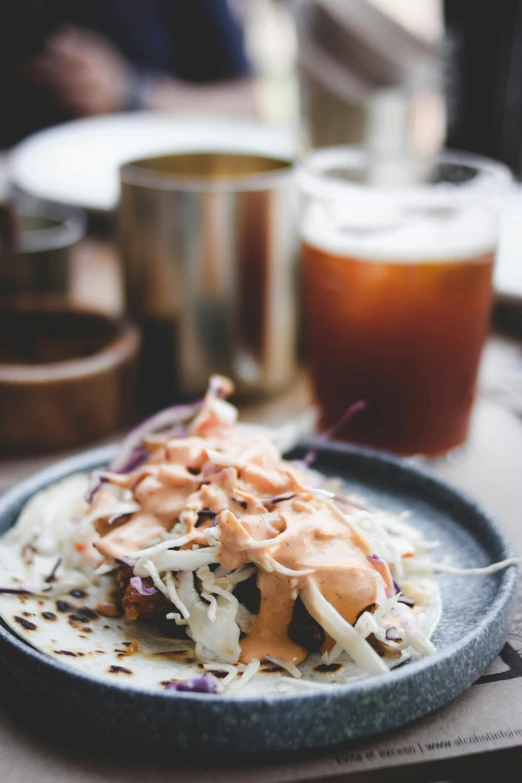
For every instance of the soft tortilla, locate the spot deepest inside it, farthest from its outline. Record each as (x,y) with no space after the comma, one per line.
(67,628)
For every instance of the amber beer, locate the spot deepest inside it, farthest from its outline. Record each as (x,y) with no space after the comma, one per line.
(403,334)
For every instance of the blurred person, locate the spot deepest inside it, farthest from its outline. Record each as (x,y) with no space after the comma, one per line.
(61,59)
(484,78)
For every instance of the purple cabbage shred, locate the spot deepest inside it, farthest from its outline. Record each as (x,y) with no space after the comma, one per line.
(279,498)
(95,483)
(331,431)
(132,453)
(136,458)
(138,585)
(124,563)
(405,600)
(393,634)
(205,684)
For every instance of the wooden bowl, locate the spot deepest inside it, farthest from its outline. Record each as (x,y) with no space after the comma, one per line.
(67,375)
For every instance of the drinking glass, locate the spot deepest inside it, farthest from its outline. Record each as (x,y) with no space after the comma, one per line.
(397,259)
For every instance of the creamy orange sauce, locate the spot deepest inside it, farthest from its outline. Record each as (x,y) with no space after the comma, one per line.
(231,477)
(315,538)
(268,633)
(182,476)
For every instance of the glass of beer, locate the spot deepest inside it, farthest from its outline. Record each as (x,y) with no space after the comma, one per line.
(398,259)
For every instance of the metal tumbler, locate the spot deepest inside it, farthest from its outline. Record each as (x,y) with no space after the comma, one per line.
(208,246)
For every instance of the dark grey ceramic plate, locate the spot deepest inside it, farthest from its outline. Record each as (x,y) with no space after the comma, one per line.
(474,626)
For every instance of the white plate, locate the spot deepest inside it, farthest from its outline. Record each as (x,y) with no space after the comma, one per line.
(77,163)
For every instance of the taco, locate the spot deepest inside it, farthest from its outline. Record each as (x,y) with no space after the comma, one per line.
(201,560)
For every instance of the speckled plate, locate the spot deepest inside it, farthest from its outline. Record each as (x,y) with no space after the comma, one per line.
(474,626)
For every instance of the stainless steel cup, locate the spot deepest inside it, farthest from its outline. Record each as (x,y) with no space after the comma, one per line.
(37,241)
(208,247)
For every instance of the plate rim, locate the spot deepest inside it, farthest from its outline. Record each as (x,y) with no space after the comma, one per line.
(19,157)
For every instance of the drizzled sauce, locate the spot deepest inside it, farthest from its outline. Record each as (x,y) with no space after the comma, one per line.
(316,538)
(221,471)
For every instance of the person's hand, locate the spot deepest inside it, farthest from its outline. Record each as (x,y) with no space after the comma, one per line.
(85,72)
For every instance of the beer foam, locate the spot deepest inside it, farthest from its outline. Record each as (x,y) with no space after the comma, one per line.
(387,235)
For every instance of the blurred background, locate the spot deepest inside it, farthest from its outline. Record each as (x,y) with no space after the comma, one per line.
(91,86)
(155,228)
(457,65)
(240,56)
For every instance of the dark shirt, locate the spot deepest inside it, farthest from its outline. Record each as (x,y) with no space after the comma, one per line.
(484,78)
(193,40)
